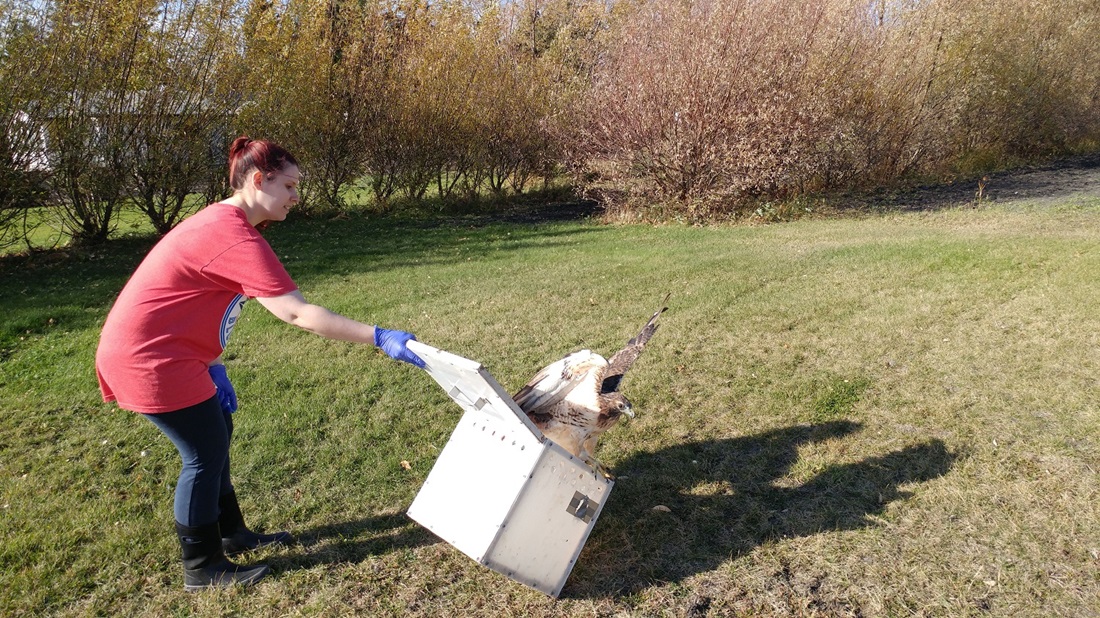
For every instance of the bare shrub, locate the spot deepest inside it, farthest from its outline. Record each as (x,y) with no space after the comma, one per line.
(457,108)
(438,96)
(89,54)
(305,61)
(702,109)
(953,87)
(705,102)
(554,47)
(892,117)
(22,139)
(665,108)
(183,99)
(421,102)
(1025,77)
(515,128)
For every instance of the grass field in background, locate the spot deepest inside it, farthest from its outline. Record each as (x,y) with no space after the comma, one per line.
(892,415)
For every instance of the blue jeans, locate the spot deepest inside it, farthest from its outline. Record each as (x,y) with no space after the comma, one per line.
(201,434)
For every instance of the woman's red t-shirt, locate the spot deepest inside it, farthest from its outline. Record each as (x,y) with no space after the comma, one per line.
(176,312)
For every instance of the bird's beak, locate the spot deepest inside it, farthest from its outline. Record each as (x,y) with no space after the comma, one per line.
(628,411)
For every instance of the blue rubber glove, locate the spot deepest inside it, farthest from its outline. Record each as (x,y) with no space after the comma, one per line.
(226,395)
(393,343)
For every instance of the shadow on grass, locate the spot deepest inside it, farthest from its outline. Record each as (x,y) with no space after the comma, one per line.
(319,249)
(72,289)
(352,541)
(727,497)
(67,290)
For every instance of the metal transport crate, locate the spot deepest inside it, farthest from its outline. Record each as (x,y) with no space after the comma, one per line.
(500,492)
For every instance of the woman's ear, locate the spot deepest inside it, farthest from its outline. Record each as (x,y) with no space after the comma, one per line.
(257,178)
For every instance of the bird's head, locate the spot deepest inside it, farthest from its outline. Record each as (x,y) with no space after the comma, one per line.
(620,406)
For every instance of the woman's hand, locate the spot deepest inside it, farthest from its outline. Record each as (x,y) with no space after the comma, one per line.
(395,344)
(226,395)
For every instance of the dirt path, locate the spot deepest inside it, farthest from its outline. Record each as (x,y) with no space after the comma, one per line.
(1052,182)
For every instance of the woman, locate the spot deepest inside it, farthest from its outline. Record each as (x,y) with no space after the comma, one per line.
(160,350)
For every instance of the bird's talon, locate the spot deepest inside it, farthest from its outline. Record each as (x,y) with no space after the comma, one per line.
(598,469)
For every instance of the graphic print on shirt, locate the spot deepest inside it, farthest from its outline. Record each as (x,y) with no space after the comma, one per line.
(229,320)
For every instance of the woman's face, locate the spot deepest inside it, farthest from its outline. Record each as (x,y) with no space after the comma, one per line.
(278,193)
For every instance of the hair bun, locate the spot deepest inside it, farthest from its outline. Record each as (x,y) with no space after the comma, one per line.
(238,145)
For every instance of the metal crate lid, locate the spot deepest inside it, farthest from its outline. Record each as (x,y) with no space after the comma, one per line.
(469,384)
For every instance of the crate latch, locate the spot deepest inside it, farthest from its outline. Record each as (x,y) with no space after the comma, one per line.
(582,508)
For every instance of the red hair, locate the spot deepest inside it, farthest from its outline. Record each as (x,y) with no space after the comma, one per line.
(246,154)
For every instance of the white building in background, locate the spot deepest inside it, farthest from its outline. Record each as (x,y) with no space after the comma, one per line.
(29,143)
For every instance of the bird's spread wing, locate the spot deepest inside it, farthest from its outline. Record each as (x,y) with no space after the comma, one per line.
(624,358)
(555,381)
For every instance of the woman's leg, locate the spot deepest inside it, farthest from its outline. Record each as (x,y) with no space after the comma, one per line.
(226,483)
(236,537)
(201,435)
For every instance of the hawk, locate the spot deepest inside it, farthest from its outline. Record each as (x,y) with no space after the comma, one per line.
(574,400)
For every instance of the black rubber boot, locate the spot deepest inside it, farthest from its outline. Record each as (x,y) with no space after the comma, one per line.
(236,537)
(204,561)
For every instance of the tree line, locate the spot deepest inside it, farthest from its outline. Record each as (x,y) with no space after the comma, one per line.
(659,108)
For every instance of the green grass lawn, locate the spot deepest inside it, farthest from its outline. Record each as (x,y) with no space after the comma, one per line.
(886,416)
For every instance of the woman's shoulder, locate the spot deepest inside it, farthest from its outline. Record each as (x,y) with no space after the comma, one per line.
(217,225)
(216,217)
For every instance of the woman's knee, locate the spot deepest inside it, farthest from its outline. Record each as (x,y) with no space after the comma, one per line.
(199,433)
